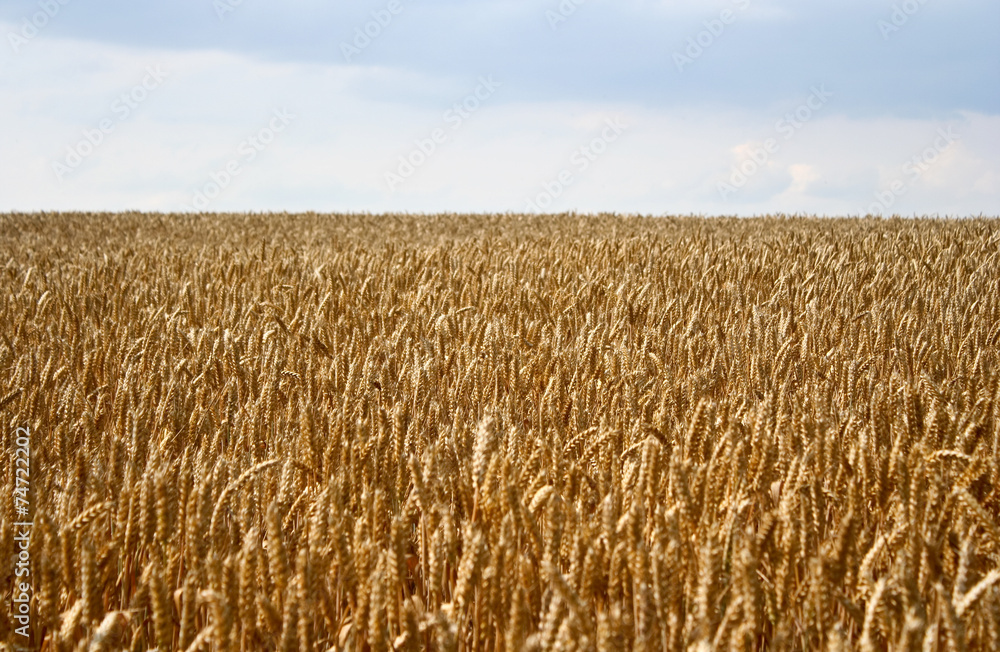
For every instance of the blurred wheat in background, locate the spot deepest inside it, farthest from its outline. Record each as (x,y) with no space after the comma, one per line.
(503,433)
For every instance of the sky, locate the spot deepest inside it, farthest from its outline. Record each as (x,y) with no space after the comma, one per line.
(728,107)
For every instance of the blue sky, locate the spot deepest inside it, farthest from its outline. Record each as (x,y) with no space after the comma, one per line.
(640,106)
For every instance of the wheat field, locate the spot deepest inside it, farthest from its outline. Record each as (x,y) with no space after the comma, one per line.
(498,432)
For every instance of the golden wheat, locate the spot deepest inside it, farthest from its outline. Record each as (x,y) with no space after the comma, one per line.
(496,432)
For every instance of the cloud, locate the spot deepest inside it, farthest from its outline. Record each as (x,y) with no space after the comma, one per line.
(943,59)
(354,120)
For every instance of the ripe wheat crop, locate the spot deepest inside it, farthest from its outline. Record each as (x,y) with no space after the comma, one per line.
(305,432)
